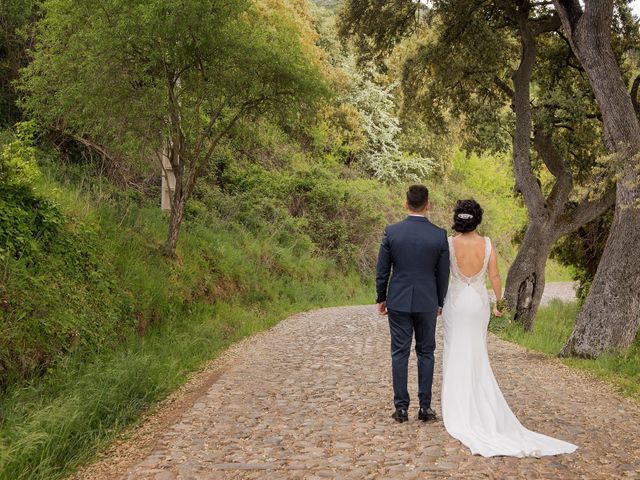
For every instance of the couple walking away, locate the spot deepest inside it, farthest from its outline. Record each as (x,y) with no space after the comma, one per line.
(413,289)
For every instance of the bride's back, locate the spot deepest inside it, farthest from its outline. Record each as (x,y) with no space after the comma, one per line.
(469,253)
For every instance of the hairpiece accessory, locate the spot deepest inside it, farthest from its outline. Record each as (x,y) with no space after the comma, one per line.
(465,216)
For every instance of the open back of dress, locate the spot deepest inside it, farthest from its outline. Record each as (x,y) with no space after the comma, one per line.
(473,407)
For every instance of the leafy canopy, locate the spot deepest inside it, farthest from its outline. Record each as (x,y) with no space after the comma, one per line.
(109,70)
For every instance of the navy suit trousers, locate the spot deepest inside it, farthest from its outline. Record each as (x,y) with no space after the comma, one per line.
(403,325)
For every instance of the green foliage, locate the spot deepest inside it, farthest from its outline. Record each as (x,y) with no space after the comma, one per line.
(376,26)
(16,36)
(18,166)
(551,330)
(382,156)
(123,62)
(362,127)
(454,73)
(145,77)
(314,197)
(329,4)
(582,250)
(458,69)
(28,221)
(101,326)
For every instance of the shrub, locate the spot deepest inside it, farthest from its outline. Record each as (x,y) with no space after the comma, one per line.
(28,221)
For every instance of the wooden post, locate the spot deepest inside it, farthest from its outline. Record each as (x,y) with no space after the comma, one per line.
(168,182)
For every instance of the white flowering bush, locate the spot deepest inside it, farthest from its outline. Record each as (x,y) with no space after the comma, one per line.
(383,156)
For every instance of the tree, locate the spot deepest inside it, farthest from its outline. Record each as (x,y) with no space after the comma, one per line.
(362,126)
(463,68)
(382,156)
(134,79)
(16,36)
(554,214)
(610,317)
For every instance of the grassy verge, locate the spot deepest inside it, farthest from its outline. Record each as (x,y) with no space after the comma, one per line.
(55,424)
(98,326)
(553,326)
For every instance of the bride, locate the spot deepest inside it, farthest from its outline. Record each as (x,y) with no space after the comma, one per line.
(473,407)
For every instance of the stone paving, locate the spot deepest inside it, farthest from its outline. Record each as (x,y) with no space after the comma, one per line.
(311,399)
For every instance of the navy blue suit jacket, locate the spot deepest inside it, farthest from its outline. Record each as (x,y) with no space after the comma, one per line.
(413,266)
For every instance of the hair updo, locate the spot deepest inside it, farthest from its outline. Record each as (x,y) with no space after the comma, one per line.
(467,215)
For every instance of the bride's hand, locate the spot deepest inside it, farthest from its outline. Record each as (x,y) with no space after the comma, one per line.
(497,312)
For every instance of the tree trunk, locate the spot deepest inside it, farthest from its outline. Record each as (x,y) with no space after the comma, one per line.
(175,222)
(178,197)
(525,280)
(610,317)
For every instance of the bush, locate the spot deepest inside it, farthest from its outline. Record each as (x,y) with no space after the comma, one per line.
(28,221)
(341,217)
(581,251)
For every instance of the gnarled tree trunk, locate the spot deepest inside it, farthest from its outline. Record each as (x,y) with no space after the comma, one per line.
(525,280)
(550,217)
(610,317)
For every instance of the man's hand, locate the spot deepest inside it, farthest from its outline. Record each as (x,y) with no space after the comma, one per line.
(439,311)
(382,308)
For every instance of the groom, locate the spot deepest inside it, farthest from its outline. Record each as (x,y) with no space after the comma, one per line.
(417,252)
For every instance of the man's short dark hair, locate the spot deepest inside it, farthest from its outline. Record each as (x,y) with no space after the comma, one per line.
(417,197)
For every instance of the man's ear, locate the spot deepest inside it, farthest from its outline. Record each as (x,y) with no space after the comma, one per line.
(406,205)
(428,205)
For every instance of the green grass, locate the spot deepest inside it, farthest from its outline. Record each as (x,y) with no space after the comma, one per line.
(552,328)
(557,272)
(54,424)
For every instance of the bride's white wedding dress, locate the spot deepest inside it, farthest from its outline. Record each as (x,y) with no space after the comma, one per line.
(473,407)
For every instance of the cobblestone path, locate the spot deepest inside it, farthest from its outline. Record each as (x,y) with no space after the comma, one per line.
(311,399)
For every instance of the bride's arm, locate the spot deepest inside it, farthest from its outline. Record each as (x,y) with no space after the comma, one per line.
(494,277)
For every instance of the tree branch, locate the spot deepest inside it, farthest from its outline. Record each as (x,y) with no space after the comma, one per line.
(207,131)
(586,211)
(526,182)
(546,24)
(570,12)
(557,165)
(503,87)
(99,149)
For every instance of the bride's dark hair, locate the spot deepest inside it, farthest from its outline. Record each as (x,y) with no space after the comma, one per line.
(467,216)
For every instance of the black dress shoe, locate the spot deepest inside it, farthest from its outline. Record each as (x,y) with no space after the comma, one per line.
(426,414)
(400,415)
